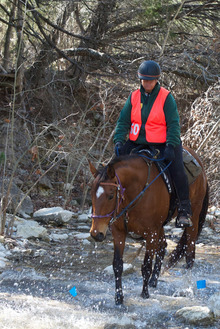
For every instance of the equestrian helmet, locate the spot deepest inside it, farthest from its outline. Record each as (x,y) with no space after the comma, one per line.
(149,70)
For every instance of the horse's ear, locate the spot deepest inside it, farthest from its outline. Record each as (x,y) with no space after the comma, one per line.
(110,171)
(93,170)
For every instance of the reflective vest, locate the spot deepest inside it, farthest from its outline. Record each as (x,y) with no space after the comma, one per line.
(155,127)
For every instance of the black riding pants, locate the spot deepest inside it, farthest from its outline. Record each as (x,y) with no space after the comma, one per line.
(176,168)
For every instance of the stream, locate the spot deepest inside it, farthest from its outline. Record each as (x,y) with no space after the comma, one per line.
(35,285)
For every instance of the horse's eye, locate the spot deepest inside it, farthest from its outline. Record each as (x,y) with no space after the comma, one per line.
(111,196)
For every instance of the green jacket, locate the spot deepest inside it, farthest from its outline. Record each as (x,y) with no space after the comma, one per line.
(171,116)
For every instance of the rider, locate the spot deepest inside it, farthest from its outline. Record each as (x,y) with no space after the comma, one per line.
(150,114)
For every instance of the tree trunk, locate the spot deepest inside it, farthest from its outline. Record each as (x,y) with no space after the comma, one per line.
(20,50)
(6,59)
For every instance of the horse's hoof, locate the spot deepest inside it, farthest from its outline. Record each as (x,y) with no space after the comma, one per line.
(119,299)
(145,295)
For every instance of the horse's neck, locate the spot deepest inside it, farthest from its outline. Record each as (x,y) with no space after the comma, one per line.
(132,172)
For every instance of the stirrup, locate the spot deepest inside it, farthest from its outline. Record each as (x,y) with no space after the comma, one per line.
(183,221)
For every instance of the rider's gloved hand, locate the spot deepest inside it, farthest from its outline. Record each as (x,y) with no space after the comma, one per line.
(169,154)
(118,147)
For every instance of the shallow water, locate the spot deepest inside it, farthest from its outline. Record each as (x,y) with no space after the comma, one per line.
(34,288)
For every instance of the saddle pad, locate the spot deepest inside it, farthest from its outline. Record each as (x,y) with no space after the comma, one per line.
(191,166)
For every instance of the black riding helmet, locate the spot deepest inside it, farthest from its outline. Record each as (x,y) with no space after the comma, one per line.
(149,70)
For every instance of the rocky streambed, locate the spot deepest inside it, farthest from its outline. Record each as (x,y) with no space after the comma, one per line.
(52,275)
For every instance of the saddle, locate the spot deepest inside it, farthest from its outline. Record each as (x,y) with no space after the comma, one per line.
(191,166)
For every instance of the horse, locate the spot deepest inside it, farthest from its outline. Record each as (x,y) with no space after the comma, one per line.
(129,195)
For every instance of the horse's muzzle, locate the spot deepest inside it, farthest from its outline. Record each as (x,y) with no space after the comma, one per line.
(98,237)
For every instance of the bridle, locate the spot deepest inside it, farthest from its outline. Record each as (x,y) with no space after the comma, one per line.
(119,198)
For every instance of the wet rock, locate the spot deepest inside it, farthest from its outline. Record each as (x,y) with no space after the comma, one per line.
(83,217)
(55,215)
(214,304)
(186,292)
(30,229)
(127,269)
(40,253)
(15,196)
(82,235)
(58,237)
(3,256)
(214,211)
(210,218)
(177,232)
(4,251)
(83,228)
(2,263)
(196,315)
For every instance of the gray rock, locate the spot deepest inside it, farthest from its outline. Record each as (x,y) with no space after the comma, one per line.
(83,217)
(45,182)
(30,229)
(4,253)
(2,263)
(58,237)
(53,215)
(196,315)
(214,304)
(127,269)
(82,235)
(15,196)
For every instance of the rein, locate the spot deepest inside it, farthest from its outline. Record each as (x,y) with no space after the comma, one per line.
(121,191)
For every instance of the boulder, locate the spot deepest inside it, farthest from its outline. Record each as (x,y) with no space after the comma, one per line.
(214,304)
(196,315)
(55,215)
(30,229)
(15,196)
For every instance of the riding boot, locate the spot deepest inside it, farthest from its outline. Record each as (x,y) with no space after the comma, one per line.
(180,182)
(183,218)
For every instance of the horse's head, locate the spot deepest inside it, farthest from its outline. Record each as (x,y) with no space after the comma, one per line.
(105,200)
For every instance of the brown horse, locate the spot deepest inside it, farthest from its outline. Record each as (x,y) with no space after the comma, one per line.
(128,183)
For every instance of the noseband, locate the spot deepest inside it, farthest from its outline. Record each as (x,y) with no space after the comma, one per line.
(119,199)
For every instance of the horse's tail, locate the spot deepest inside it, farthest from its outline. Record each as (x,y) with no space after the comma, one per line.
(179,251)
(204,210)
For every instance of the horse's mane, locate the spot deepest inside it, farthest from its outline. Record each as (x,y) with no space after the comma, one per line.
(117,159)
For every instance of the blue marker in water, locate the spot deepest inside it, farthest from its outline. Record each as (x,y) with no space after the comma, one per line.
(201,284)
(73,292)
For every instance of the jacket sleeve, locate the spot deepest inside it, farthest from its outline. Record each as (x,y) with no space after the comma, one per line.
(124,123)
(172,121)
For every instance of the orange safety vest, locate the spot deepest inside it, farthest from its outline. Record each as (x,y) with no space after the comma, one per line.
(155,127)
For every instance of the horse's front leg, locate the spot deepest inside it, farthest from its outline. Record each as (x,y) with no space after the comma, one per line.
(119,244)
